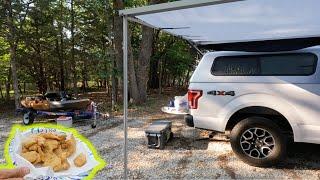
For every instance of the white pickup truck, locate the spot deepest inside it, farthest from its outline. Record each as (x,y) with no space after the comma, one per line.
(264,99)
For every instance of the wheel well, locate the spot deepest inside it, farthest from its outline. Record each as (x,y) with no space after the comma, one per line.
(271,114)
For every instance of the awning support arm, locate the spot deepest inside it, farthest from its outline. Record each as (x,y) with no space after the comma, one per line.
(195,47)
(133,19)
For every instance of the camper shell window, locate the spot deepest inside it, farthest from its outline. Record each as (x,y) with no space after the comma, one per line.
(294,64)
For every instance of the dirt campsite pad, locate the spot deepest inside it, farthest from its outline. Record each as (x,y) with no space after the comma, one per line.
(189,155)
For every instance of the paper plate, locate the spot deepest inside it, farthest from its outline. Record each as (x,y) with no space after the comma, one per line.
(94,162)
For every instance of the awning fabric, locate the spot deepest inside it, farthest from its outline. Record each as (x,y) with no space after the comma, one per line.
(219,26)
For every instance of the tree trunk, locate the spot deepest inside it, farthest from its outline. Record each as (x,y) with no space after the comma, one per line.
(154,66)
(20,90)
(166,75)
(60,50)
(61,66)
(174,81)
(13,47)
(24,87)
(1,91)
(7,83)
(144,62)
(14,76)
(160,77)
(42,80)
(144,59)
(114,94)
(74,71)
(7,90)
(153,74)
(133,84)
(84,76)
(118,29)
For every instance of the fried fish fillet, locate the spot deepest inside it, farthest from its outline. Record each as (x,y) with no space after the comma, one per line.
(33,147)
(24,149)
(61,153)
(29,142)
(52,160)
(53,136)
(69,146)
(50,145)
(40,140)
(38,160)
(31,156)
(50,150)
(65,165)
(41,153)
(80,160)
(32,140)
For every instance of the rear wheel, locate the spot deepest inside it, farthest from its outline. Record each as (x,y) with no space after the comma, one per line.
(258,141)
(93,125)
(28,118)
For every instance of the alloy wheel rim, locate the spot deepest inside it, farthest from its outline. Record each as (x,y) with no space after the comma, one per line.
(26,118)
(257,143)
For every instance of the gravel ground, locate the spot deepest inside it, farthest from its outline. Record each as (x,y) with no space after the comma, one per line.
(189,155)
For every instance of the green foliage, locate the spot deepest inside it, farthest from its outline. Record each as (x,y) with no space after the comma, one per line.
(178,57)
(4,59)
(135,3)
(45,46)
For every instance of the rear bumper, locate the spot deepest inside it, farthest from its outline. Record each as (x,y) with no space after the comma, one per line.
(189,120)
(205,122)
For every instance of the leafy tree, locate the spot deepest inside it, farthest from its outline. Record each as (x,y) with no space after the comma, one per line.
(4,65)
(58,44)
(15,15)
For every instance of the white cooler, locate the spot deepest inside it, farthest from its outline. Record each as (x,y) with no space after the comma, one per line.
(64,121)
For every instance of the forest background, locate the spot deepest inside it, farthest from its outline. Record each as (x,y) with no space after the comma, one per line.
(76,46)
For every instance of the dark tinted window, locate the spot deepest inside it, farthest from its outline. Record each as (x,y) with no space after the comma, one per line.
(235,66)
(302,64)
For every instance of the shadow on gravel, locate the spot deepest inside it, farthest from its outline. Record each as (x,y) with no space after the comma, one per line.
(179,143)
(168,118)
(302,156)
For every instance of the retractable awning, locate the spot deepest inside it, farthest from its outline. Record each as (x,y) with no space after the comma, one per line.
(215,24)
(249,25)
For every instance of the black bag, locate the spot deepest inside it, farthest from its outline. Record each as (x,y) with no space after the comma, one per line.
(158,134)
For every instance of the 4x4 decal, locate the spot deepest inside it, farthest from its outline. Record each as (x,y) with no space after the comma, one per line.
(222,93)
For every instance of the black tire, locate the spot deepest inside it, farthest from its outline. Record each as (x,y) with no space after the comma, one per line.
(171,136)
(28,118)
(258,151)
